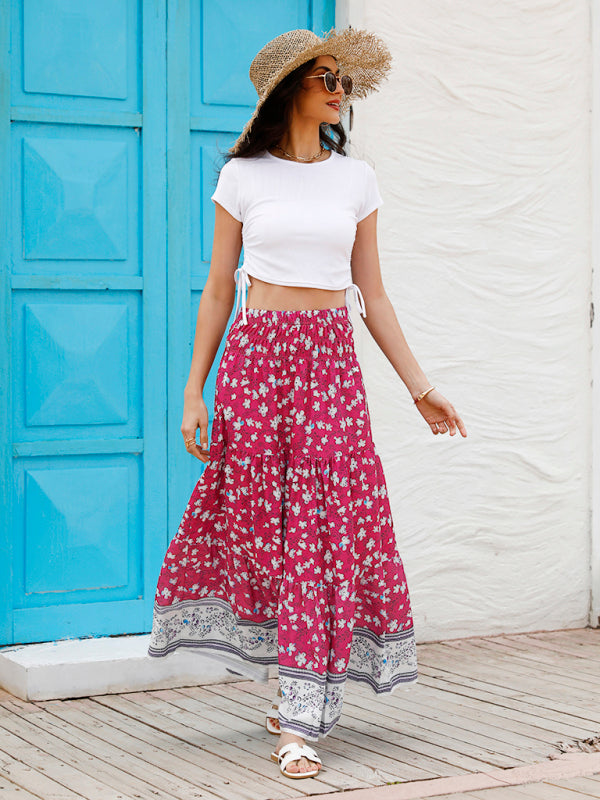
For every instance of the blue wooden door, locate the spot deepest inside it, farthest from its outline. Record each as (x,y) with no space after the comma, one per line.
(112,118)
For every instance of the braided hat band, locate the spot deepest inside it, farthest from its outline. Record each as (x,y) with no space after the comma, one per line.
(360,54)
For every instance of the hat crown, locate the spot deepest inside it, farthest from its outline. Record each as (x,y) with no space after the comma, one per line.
(280,51)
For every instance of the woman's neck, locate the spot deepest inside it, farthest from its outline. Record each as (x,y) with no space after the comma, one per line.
(301,141)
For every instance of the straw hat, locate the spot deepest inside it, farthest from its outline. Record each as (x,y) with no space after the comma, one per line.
(360,54)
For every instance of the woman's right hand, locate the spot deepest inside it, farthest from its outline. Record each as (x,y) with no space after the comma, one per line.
(195,415)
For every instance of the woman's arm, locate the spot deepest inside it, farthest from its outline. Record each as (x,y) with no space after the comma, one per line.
(213,313)
(384,327)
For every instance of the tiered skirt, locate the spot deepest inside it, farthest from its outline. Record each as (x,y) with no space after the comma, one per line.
(286,552)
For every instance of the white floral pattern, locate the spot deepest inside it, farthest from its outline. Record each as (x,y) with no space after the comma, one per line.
(286,552)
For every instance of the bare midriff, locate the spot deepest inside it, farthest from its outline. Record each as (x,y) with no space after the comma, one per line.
(273,297)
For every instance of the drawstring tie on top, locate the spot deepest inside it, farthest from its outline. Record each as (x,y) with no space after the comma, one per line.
(242,282)
(358,298)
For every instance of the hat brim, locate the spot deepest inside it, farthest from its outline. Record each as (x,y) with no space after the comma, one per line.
(361,54)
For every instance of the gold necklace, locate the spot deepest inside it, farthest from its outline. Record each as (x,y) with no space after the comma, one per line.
(300,158)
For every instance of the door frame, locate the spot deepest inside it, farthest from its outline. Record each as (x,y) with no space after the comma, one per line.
(594,618)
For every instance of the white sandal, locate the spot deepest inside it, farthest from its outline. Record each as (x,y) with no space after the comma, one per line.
(293,752)
(270,715)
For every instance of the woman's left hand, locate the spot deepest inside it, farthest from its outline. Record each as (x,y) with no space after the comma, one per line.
(440,414)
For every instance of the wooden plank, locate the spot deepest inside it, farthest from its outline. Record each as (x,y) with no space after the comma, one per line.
(537,650)
(506,681)
(419,739)
(54,763)
(576,636)
(586,632)
(522,722)
(356,720)
(468,689)
(174,754)
(543,655)
(522,733)
(505,739)
(232,748)
(190,712)
(15,705)
(349,757)
(459,728)
(387,716)
(565,708)
(14,790)
(516,716)
(550,667)
(166,762)
(553,679)
(382,759)
(93,737)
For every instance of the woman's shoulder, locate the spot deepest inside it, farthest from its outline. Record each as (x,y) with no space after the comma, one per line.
(244,162)
(351,163)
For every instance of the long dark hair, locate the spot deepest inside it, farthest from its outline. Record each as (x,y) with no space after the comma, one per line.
(273,119)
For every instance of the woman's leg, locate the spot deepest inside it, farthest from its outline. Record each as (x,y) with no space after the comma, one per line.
(301,765)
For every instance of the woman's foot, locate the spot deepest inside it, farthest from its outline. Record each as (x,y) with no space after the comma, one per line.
(300,765)
(275,720)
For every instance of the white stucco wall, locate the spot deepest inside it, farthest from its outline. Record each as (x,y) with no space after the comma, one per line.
(481,143)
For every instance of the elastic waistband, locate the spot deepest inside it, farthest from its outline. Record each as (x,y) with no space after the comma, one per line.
(295,317)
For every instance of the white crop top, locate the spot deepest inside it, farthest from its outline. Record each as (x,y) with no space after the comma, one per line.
(299,220)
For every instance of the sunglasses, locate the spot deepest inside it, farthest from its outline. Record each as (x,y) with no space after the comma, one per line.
(331,81)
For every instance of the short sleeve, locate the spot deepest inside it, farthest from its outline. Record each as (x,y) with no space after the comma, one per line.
(370,198)
(227,193)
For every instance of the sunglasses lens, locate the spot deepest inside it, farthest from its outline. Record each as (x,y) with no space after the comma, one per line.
(330,82)
(346,83)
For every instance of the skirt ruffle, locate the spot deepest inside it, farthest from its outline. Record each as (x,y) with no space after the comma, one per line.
(286,552)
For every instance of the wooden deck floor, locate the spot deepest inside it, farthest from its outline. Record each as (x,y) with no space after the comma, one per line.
(480,704)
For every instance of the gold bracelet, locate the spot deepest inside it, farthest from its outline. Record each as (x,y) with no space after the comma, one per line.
(426,392)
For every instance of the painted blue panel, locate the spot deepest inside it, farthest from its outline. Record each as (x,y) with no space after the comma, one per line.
(322,16)
(78,531)
(76,199)
(77,54)
(74,47)
(233,31)
(207,151)
(78,359)
(80,545)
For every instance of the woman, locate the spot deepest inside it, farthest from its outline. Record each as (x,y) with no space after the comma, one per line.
(286,552)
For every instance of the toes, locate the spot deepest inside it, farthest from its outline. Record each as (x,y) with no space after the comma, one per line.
(303,765)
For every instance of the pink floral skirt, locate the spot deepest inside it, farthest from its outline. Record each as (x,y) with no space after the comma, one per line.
(286,553)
